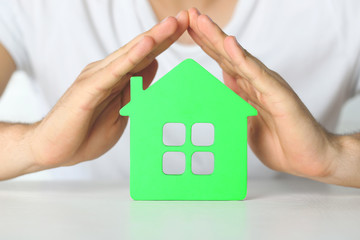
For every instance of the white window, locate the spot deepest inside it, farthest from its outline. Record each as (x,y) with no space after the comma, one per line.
(174,163)
(202,134)
(202,163)
(174,134)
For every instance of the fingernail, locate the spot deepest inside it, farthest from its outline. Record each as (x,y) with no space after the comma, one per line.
(237,42)
(178,15)
(164,20)
(197,11)
(210,18)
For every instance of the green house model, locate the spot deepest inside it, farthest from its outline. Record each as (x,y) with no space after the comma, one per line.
(189,103)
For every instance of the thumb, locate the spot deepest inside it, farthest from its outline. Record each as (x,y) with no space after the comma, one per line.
(148,73)
(231,82)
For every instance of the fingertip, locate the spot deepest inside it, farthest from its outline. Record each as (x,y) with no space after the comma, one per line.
(229,38)
(183,19)
(229,42)
(181,14)
(146,44)
(194,11)
(148,40)
(235,42)
(193,14)
(170,23)
(204,22)
(172,19)
(203,18)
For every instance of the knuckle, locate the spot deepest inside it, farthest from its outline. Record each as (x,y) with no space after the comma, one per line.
(222,65)
(82,77)
(245,53)
(151,56)
(131,58)
(113,70)
(92,64)
(217,42)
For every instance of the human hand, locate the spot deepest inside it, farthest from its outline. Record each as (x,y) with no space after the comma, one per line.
(284,135)
(85,123)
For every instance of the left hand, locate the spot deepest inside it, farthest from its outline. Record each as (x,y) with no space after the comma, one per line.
(284,135)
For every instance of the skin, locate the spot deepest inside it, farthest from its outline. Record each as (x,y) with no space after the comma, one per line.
(219,12)
(7,67)
(85,122)
(284,135)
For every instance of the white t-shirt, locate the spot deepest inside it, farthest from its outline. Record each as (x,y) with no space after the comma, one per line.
(314,45)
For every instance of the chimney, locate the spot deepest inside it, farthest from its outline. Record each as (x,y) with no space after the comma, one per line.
(136,86)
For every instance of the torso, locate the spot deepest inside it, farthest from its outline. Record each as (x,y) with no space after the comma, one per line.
(314,45)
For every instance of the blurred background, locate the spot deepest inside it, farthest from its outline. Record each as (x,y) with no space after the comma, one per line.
(21,102)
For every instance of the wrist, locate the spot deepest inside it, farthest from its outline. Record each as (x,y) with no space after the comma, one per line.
(40,152)
(345,158)
(16,156)
(27,140)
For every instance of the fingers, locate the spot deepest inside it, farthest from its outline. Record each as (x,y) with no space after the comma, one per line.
(113,73)
(102,134)
(196,22)
(228,52)
(242,62)
(106,120)
(182,24)
(139,53)
(159,33)
(96,96)
(195,33)
(231,83)
(110,75)
(212,32)
(148,75)
(164,34)
(88,92)
(207,34)
(249,67)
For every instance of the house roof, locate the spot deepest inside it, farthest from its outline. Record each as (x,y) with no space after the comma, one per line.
(185,86)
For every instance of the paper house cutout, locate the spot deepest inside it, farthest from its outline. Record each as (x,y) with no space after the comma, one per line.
(187,95)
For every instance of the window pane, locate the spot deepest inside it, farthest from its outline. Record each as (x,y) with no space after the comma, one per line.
(174,134)
(202,134)
(173,162)
(202,163)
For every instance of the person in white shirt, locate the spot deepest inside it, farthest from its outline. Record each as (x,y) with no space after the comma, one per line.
(314,45)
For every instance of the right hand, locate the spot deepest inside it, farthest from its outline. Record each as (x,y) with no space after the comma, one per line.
(85,122)
(284,135)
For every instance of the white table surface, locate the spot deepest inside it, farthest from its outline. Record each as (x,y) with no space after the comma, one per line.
(274,209)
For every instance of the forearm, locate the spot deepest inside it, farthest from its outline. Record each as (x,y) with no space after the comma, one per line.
(16,157)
